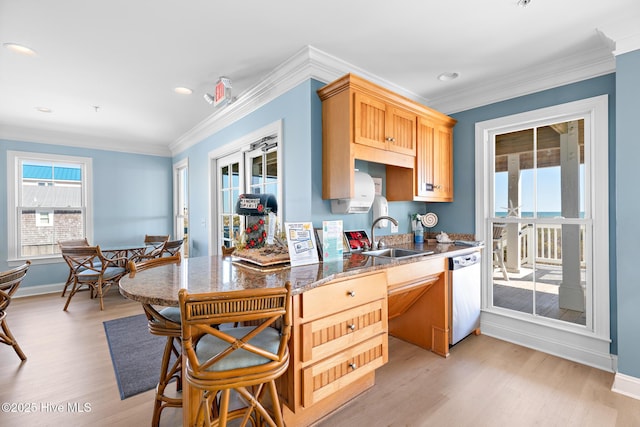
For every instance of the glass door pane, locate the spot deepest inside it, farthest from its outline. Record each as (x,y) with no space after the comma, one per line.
(230,182)
(263,178)
(540,224)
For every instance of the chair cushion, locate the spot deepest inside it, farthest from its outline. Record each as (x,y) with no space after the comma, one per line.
(171,313)
(209,346)
(92,276)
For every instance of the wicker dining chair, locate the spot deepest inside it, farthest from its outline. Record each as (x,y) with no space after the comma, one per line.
(154,247)
(9,282)
(90,268)
(172,247)
(70,243)
(164,322)
(247,359)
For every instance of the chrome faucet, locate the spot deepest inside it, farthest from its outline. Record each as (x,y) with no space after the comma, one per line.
(380,244)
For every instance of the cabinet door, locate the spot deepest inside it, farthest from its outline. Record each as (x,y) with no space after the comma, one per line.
(401,132)
(443,163)
(434,161)
(370,121)
(424,158)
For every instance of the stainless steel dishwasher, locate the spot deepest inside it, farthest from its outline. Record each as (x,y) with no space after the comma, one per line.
(464,296)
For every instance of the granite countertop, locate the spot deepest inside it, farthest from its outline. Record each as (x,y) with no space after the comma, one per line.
(160,285)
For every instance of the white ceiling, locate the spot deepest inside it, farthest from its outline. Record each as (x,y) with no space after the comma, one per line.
(126,56)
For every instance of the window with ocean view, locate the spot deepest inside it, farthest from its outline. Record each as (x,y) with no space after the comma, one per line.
(542,206)
(541,225)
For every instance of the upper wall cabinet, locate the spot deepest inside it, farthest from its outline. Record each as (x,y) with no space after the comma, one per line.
(361,120)
(382,125)
(432,179)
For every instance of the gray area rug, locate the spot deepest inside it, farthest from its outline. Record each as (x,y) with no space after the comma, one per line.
(135,353)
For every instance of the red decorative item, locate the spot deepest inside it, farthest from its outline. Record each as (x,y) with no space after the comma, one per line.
(255,234)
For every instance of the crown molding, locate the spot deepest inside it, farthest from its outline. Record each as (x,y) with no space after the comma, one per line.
(623,34)
(545,76)
(311,63)
(307,63)
(54,137)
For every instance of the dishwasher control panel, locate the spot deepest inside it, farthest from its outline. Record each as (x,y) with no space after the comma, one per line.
(462,261)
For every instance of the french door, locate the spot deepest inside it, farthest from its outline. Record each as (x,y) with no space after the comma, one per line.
(254,169)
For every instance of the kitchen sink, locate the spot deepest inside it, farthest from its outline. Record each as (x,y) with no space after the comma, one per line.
(396,253)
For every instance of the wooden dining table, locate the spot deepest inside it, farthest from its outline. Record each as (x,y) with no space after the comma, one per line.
(159,286)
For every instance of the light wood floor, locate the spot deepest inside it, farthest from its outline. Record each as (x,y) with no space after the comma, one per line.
(485,382)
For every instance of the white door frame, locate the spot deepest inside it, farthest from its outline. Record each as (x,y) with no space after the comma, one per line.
(239,145)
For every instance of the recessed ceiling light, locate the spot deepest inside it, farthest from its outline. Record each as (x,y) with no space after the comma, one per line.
(445,77)
(44,109)
(18,48)
(183,90)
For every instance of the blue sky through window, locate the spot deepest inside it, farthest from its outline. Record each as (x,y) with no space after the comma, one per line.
(549,191)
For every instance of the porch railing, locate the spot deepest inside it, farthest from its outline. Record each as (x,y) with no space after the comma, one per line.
(549,250)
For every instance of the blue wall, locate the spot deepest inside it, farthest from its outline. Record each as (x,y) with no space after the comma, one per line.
(628,210)
(300,110)
(131,197)
(459,216)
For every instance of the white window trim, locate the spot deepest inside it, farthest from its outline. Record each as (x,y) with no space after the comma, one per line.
(13,158)
(240,145)
(584,345)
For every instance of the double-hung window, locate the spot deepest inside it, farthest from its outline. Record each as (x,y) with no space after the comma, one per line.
(50,201)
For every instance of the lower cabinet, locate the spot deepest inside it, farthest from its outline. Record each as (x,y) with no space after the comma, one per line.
(339,340)
(341,330)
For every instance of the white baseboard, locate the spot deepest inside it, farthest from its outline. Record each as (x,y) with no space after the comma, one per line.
(583,349)
(627,385)
(29,291)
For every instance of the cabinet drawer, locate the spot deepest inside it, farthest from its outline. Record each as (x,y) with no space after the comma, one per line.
(324,337)
(339,296)
(326,377)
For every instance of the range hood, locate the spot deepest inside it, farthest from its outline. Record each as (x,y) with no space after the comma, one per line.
(363,190)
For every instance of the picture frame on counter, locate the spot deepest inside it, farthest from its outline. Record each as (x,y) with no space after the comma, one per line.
(301,240)
(357,240)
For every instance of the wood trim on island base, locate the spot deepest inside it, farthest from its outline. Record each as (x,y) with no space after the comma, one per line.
(323,408)
(425,322)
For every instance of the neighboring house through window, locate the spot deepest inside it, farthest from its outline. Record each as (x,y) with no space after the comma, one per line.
(49,202)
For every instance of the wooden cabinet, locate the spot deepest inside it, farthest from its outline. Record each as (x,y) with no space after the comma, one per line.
(340,332)
(383,126)
(361,120)
(434,164)
(432,178)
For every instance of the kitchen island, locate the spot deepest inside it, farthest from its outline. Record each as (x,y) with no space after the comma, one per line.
(342,314)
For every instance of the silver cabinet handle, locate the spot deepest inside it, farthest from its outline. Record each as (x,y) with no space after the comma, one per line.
(351,293)
(353,366)
(352,327)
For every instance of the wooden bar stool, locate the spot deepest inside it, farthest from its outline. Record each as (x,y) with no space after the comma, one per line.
(164,322)
(10,280)
(247,359)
